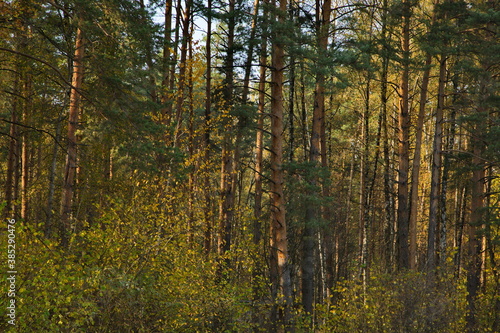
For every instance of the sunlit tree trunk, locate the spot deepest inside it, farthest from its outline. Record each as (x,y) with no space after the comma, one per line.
(279,241)
(415,172)
(71,158)
(388,187)
(436,169)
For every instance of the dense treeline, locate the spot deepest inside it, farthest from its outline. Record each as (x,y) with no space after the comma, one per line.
(182,166)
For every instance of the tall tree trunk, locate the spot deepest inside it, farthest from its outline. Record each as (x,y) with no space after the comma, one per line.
(474,243)
(477,216)
(291,91)
(71,158)
(403,136)
(12,156)
(331,226)
(279,241)
(153,94)
(186,39)
(308,260)
(257,271)
(25,163)
(415,172)
(364,196)
(459,230)
(191,148)
(48,229)
(444,185)
(436,169)
(388,187)
(291,110)
(206,134)
(227,181)
(252,43)
(174,54)
(167,53)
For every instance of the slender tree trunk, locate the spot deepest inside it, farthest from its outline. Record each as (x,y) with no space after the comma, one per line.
(403,136)
(226,207)
(308,260)
(167,53)
(71,159)
(248,62)
(153,94)
(186,39)
(436,170)
(415,173)
(291,110)
(325,237)
(303,112)
(191,148)
(257,272)
(331,227)
(259,140)
(364,208)
(291,91)
(206,134)
(52,181)
(459,231)
(444,187)
(174,54)
(25,163)
(11,157)
(388,191)
(227,182)
(279,241)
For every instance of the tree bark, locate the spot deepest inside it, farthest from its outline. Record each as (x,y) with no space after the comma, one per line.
(71,158)
(436,170)
(259,139)
(167,53)
(403,136)
(475,244)
(207,243)
(279,241)
(388,187)
(186,39)
(25,163)
(417,155)
(257,271)
(227,181)
(11,157)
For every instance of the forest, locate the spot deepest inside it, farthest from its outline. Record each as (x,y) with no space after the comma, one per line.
(250,166)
